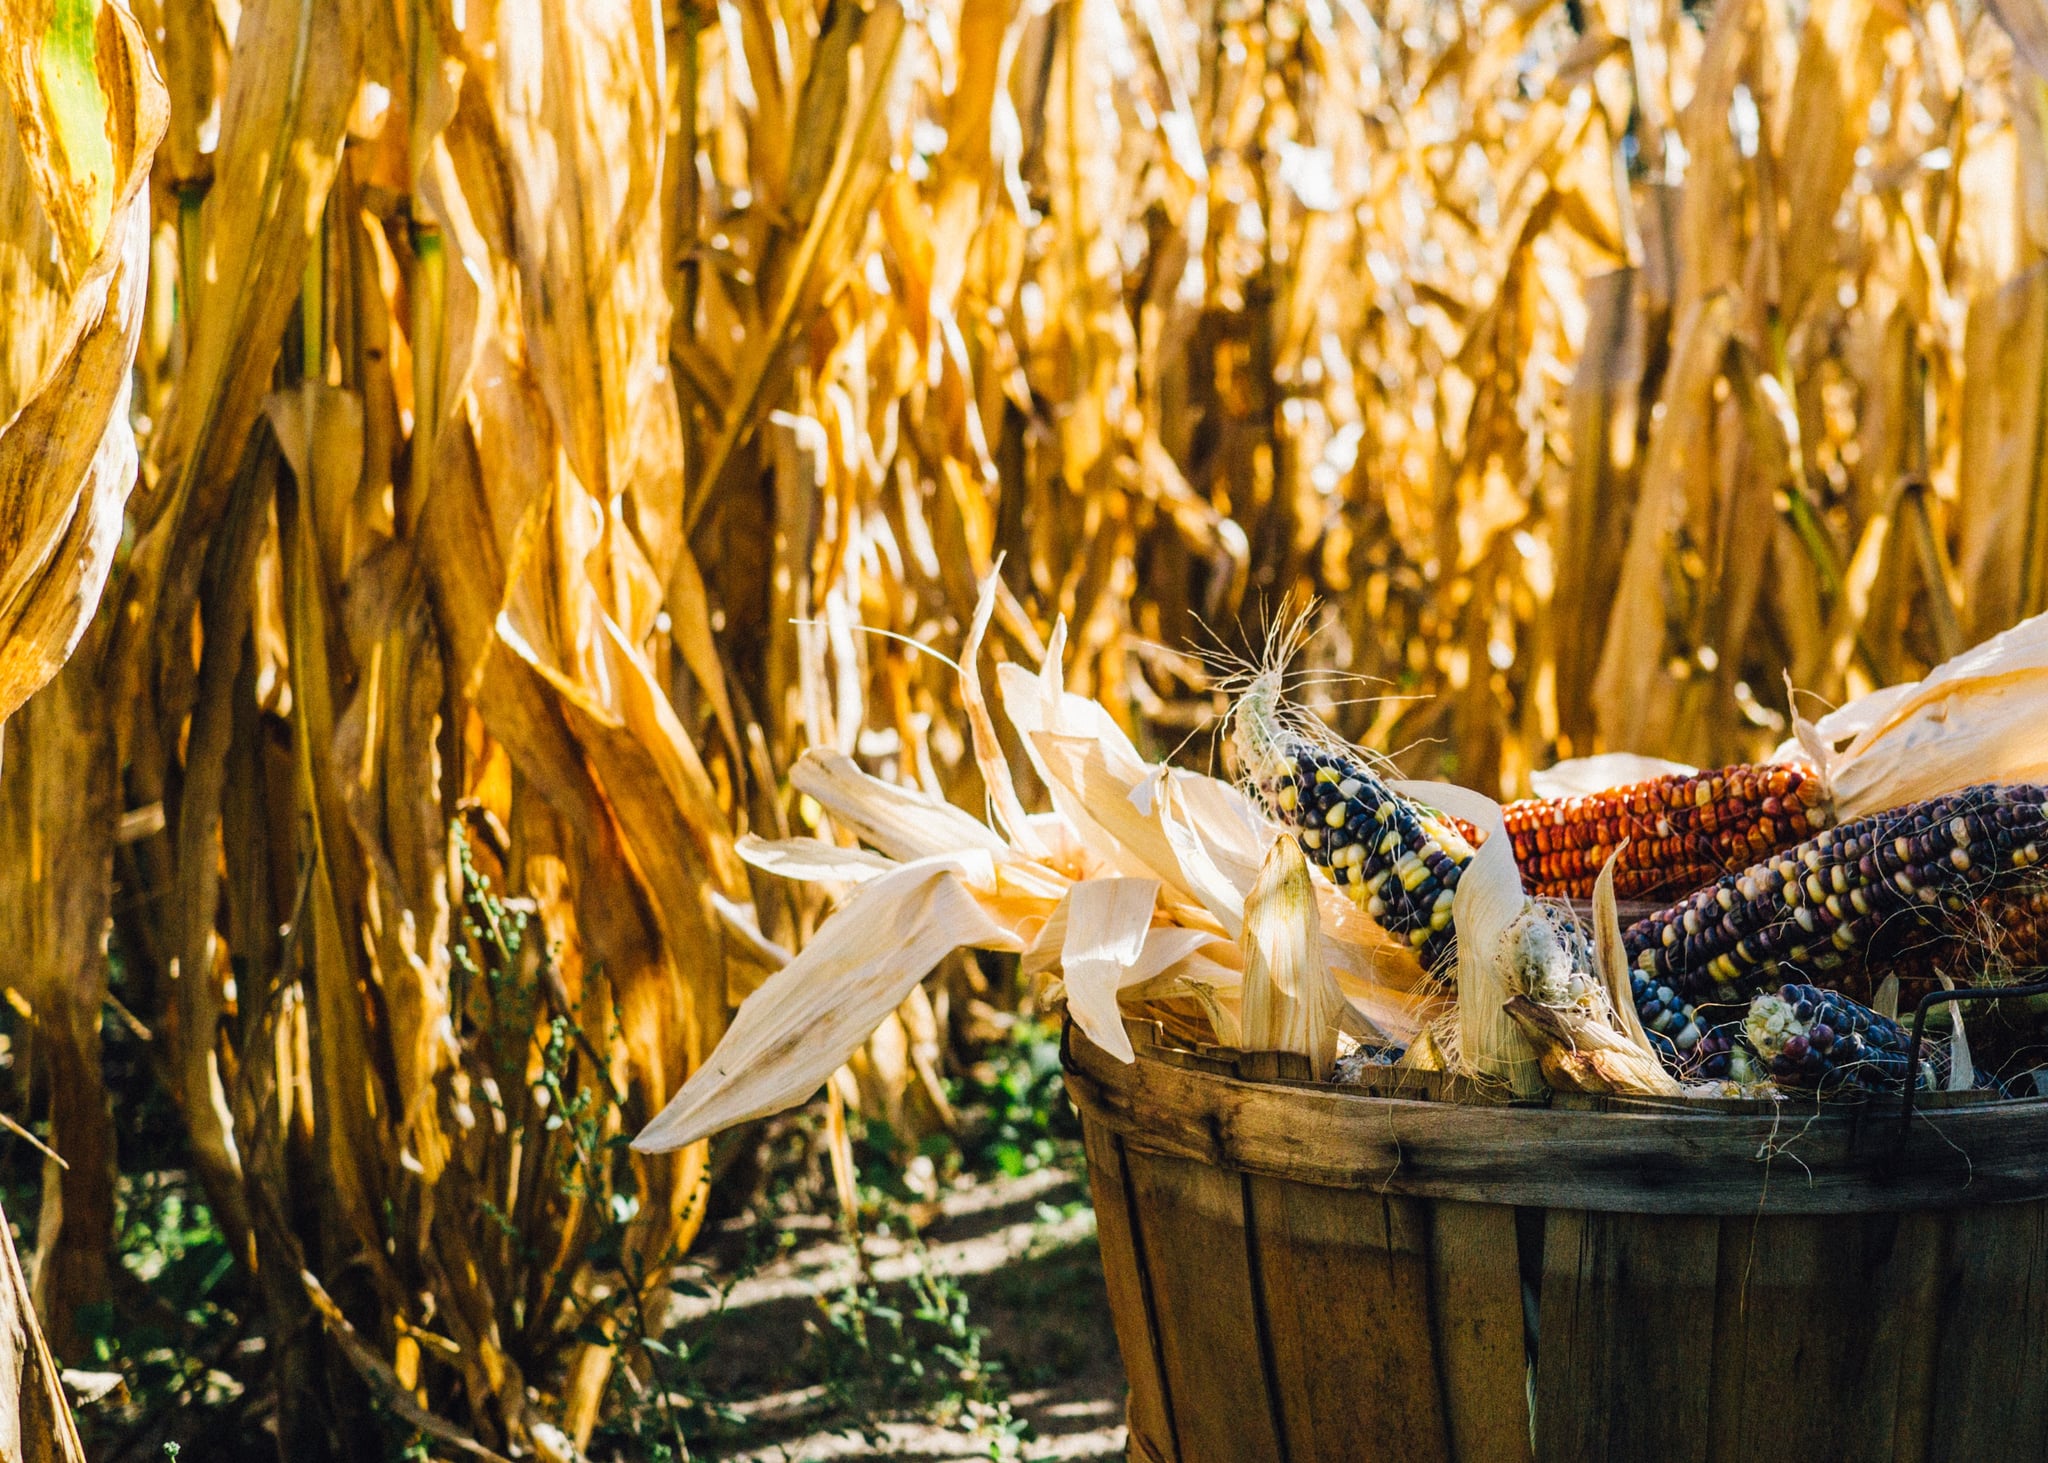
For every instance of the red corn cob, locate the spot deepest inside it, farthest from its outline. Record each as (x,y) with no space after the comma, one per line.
(1683,831)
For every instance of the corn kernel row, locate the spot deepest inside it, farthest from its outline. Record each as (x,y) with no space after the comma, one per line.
(1681,831)
(1826,907)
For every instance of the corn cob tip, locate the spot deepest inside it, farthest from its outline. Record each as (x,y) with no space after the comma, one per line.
(1396,860)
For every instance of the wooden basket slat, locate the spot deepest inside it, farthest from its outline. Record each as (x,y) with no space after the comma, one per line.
(1821,1305)
(1345,1273)
(1191,1220)
(1627,1317)
(1990,1395)
(1476,1304)
(1148,1411)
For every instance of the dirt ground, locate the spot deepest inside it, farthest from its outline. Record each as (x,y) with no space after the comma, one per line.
(1023,1252)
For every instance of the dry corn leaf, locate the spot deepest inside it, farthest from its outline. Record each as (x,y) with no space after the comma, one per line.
(281,129)
(35,1416)
(1104,936)
(67,451)
(810,1016)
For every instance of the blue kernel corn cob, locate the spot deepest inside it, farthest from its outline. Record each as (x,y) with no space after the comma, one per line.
(1721,1055)
(1823,1041)
(1397,860)
(1849,895)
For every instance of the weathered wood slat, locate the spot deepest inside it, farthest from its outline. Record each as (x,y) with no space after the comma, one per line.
(1923,1246)
(1820,1306)
(1130,1308)
(1476,1301)
(1346,1274)
(1191,1223)
(1627,1325)
(1991,1371)
(1623,1162)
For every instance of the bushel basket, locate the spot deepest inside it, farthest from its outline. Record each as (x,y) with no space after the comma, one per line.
(1313,1273)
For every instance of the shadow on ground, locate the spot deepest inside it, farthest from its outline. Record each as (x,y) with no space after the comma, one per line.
(1022,1253)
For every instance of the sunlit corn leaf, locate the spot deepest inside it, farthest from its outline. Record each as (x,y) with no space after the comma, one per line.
(85,127)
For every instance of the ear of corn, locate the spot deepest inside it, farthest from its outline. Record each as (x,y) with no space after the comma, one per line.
(1823,1041)
(1800,1036)
(1680,830)
(1824,908)
(1396,860)
(1671,1022)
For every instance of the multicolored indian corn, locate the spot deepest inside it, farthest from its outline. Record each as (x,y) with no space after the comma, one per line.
(1682,831)
(1801,1036)
(1864,889)
(1823,1041)
(1397,860)
(1672,1024)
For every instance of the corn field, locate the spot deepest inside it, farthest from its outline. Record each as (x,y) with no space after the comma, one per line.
(467,449)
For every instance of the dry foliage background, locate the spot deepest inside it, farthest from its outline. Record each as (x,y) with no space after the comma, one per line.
(553,417)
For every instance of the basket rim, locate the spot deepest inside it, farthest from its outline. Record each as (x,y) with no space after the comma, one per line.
(1682,1156)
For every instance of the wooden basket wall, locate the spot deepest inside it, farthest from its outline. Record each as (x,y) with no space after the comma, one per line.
(1301,1272)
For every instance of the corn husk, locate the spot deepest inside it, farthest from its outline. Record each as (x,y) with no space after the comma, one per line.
(1103,937)
(1578,776)
(1141,885)
(1974,718)
(808,1017)
(1490,898)
(1579,1053)
(1291,1002)
(1583,1026)
(1610,957)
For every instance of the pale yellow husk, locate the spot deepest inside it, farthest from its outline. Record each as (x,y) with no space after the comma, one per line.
(1143,883)
(1291,1003)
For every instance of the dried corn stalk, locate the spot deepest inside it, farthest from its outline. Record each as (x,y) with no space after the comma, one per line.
(85,112)
(541,406)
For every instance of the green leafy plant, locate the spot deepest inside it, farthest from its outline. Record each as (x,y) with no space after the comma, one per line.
(884,1351)
(1019,1118)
